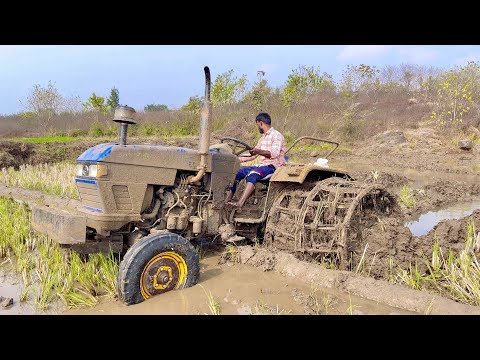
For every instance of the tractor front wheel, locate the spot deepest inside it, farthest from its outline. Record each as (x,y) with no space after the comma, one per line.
(156,264)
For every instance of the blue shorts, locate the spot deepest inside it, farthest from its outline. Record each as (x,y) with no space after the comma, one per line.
(252,174)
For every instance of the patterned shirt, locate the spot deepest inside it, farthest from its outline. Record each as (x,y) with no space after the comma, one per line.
(274,142)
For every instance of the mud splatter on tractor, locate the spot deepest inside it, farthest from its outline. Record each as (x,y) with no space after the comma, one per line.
(153,203)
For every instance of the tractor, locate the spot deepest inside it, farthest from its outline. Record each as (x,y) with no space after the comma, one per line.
(153,203)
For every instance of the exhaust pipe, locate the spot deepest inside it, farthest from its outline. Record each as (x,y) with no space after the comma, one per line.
(124,116)
(205,130)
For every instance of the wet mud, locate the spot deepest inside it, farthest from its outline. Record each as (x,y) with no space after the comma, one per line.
(440,178)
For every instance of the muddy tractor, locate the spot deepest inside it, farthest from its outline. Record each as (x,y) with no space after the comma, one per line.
(154,204)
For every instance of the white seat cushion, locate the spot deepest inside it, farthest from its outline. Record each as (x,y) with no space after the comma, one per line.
(266,177)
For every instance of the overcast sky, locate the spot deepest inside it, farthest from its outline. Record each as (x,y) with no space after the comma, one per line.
(170,74)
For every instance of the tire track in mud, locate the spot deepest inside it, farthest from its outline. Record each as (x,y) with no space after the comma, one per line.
(368,288)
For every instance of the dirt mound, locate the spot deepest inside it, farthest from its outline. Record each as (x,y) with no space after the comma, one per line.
(14,153)
(450,234)
(390,181)
(442,193)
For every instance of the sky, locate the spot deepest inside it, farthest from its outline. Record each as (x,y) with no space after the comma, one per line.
(171,74)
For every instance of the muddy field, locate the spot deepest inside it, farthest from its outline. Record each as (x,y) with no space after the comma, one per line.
(444,181)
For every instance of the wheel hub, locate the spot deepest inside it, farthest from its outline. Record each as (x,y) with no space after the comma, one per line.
(165,271)
(163,277)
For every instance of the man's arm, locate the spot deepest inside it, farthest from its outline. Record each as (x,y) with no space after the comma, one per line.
(247,158)
(257,151)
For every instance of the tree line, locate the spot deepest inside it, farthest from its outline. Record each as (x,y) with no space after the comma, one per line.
(453,93)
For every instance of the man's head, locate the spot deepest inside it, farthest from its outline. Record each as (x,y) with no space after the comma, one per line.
(264,122)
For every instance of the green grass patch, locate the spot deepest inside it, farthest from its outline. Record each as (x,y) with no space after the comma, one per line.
(49,273)
(406,196)
(44,140)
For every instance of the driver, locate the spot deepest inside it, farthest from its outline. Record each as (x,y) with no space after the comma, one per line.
(271,150)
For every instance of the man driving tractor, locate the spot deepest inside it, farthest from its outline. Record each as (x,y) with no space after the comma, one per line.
(271,149)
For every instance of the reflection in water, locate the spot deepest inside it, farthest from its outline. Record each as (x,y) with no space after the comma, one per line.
(427,221)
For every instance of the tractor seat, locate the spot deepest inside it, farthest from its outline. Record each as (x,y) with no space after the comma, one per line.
(265,179)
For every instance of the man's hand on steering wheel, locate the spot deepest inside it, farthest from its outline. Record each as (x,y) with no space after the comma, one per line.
(237,143)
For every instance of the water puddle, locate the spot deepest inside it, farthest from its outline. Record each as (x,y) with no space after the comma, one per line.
(11,288)
(427,221)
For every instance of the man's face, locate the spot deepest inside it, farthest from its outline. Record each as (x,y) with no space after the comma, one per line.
(259,126)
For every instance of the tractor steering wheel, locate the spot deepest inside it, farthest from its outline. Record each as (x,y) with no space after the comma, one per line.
(236,143)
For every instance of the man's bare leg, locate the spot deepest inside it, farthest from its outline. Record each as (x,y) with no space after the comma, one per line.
(229,196)
(249,187)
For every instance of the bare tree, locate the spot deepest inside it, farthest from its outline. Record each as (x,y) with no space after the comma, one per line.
(73,105)
(44,102)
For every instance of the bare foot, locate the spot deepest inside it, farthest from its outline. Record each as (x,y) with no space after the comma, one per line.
(234,204)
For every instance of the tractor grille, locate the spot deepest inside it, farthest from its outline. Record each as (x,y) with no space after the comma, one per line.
(122,197)
(89,195)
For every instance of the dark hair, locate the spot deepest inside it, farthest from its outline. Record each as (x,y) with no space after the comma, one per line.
(264,117)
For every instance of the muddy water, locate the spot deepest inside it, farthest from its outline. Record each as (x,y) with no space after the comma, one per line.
(427,221)
(12,287)
(246,290)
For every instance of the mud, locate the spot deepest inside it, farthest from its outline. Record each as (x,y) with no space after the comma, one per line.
(352,283)
(439,175)
(243,289)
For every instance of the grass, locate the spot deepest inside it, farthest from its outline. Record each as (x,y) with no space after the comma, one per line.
(213,304)
(54,179)
(319,306)
(351,306)
(454,276)
(406,196)
(49,273)
(43,140)
(265,309)
(232,253)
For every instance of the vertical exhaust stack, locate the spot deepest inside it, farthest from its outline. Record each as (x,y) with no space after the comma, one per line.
(205,130)
(124,116)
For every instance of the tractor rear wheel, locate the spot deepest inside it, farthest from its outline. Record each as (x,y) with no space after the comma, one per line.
(156,264)
(326,219)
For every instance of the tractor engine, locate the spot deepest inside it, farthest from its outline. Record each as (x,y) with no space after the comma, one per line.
(184,208)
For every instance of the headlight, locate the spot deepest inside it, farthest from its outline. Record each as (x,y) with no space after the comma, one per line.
(91,170)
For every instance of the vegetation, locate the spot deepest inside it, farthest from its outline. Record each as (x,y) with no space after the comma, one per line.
(97,104)
(406,196)
(363,102)
(43,140)
(54,179)
(454,276)
(114,99)
(227,89)
(155,107)
(50,274)
(43,103)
